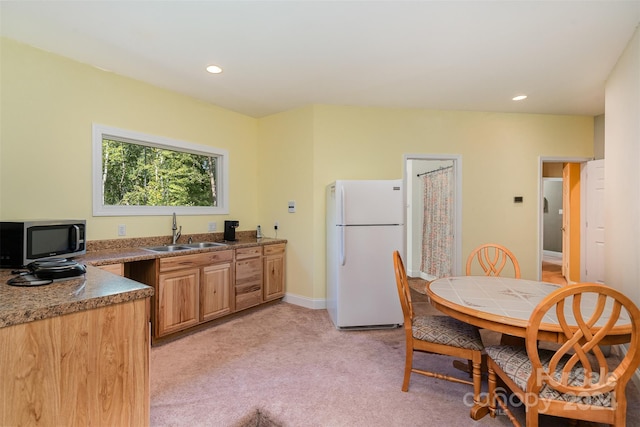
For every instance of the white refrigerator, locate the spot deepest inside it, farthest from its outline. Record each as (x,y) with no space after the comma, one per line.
(365,224)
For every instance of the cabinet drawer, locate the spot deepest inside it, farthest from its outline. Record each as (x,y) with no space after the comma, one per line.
(248,252)
(195,260)
(248,296)
(273,249)
(249,271)
(113,268)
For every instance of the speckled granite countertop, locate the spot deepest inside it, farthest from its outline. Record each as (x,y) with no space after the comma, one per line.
(95,289)
(130,250)
(99,288)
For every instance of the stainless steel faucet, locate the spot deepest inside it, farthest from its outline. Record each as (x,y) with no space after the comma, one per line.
(175,232)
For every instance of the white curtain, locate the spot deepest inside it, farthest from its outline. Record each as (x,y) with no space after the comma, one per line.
(437,229)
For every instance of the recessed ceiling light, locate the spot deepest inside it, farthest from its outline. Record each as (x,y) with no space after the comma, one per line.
(214,69)
(519,97)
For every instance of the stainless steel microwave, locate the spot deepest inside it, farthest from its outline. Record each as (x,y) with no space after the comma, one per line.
(22,242)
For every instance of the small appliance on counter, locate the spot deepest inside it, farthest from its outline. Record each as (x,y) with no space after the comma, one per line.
(22,242)
(230,230)
(44,272)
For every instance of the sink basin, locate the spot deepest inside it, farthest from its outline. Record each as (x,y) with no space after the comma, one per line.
(168,248)
(203,245)
(185,247)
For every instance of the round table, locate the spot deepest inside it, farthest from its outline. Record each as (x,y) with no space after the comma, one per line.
(504,305)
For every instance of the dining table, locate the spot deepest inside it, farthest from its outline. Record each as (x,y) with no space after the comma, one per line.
(504,305)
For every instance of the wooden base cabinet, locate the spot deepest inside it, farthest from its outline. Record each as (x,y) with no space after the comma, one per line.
(274,271)
(192,289)
(215,291)
(248,283)
(178,300)
(113,268)
(87,368)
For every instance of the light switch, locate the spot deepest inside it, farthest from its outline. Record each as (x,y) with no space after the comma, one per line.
(292,206)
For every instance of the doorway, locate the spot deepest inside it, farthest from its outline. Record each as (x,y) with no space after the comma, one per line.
(559,219)
(416,166)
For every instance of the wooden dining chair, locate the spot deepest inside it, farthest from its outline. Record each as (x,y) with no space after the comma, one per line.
(492,258)
(436,334)
(575,381)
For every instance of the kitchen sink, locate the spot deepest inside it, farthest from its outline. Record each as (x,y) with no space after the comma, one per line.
(168,248)
(185,247)
(204,245)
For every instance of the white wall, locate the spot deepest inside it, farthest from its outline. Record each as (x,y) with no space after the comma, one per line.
(622,175)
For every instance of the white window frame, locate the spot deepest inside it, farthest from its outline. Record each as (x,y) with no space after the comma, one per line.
(222,173)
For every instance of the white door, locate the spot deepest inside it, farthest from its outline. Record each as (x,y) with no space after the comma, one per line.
(594,222)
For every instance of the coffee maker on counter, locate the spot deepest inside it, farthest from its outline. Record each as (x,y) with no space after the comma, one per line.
(230,230)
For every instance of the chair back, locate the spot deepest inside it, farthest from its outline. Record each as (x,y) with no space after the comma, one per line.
(404,291)
(492,258)
(585,313)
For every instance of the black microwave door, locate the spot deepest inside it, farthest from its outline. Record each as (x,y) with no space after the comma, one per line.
(51,240)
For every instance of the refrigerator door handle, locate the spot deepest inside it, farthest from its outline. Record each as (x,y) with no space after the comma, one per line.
(342,206)
(342,251)
(342,225)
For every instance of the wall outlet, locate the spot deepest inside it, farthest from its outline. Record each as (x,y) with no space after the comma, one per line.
(212,227)
(275,225)
(122,230)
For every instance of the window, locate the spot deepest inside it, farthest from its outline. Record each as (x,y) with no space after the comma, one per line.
(138,174)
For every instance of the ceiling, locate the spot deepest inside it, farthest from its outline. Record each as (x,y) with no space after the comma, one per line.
(280,55)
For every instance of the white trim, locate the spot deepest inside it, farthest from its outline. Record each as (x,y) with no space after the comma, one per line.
(100,131)
(312,303)
(457,230)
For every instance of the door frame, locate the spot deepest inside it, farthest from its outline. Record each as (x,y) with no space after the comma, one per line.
(541,161)
(457,222)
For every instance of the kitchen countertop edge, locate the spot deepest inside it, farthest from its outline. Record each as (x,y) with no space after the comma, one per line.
(133,254)
(95,289)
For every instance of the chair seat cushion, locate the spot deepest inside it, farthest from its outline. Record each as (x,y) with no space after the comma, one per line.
(447,331)
(515,362)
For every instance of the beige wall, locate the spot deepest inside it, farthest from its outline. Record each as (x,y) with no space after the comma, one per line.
(285,172)
(622,175)
(500,158)
(48,105)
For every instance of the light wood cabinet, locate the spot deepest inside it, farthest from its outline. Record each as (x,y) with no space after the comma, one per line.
(274,271)
(215,291)
(197,288)
(192,289)
(85,368)
(178,300)
(248,283)
(113,268)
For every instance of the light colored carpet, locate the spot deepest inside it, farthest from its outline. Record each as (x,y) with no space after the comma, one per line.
(285,365)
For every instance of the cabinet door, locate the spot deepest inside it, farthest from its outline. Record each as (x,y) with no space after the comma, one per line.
(177,301)
(215,291)
(274,272)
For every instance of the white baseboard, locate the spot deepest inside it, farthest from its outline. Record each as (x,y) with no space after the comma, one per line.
(312,303)
(420,274)
(552,254)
